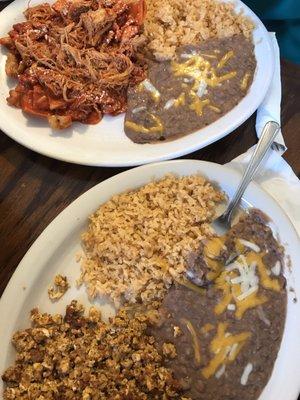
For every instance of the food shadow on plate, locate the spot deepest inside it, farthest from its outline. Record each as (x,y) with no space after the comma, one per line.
(102,301)
(11,83)
(3,51)
(77,127)
(65,133)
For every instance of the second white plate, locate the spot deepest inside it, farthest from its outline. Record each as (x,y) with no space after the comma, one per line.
(54,252)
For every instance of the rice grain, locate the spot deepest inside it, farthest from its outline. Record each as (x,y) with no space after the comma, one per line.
(173,23)
(137,242)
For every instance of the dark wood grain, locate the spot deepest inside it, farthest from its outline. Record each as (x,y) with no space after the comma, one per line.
(34,189)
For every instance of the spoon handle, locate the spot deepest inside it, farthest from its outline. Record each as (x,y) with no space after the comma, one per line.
(267,138)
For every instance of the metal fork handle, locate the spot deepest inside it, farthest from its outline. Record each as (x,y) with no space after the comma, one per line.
(268,135)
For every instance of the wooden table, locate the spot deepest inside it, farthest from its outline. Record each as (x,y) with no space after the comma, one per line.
(34,189)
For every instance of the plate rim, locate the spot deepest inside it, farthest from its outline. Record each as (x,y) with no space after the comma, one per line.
(24,267)
(181,149)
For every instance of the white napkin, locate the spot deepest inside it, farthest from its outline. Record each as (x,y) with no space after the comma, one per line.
(276,177)
(269,110)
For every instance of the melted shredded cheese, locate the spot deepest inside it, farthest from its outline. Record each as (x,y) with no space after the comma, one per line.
(197,105)
(245,81)
(207,328)
(247,293)
(200,70)
(214,247)
(252,301)
(242,289)
(225,347)
(180,101)
(214,108)
(224,59)
(266,281)
(157,126)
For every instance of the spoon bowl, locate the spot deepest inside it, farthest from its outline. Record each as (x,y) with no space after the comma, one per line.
(270,130)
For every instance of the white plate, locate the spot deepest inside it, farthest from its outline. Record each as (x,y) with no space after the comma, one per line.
(106,144)
(54,252)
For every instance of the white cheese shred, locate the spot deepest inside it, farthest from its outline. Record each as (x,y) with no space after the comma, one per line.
(188,55)
(247,293)
(169,104)
(250,245)
(231,307)
(201,88)
(150,87)
(247,278)
(231,266)
(261,314)
(247,371)
(276,269)
(185,56)
(220,372)
(138,109)
(232,351)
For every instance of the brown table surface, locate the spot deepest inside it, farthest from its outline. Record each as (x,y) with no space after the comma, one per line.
(34,189)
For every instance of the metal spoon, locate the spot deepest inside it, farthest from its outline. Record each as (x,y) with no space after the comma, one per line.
(195,275)
(223,223)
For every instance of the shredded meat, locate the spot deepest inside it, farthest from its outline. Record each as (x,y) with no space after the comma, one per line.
(75,59)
